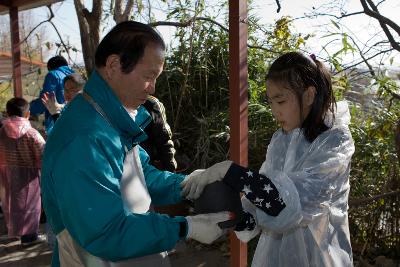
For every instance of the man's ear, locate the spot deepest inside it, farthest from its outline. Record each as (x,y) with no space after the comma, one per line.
(113,66)
(309,96)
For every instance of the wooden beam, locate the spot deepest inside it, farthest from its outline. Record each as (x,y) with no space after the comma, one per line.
(27,4)
(6,3)
(16,52)
(238,103)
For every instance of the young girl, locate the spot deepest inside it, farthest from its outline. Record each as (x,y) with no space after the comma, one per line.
(299,198)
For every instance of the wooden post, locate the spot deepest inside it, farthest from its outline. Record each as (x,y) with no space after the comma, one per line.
(16,52)
(238,102)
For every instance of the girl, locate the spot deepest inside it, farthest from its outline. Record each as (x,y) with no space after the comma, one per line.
(299,199)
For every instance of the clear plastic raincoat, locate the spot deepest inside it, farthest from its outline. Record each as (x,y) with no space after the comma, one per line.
(21,148)
(313,180)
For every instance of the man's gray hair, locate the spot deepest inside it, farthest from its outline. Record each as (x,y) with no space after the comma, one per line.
(76,78)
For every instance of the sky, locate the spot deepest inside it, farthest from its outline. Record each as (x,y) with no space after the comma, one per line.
(362,26)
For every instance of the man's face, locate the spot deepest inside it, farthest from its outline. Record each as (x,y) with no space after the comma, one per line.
(71,89)
(133,88)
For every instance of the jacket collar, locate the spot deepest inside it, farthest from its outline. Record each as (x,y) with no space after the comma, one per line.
(98,89)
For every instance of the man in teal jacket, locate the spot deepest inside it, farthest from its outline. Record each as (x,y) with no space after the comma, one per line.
(97,184)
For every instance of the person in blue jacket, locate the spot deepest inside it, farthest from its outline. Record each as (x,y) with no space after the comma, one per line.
(97,184)
(53,83)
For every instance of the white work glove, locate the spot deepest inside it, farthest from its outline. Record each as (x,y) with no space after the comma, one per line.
(204,227)
(193,184)
(50,102)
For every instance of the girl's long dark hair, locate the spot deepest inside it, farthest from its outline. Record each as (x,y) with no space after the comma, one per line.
(297,72)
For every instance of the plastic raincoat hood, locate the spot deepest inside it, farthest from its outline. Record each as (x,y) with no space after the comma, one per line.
(15,127)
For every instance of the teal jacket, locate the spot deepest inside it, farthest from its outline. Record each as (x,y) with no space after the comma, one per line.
(81,172)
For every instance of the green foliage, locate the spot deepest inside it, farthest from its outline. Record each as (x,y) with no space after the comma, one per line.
(375,170)
(6,93)
(282,39)
(195,88)
(374,139)
(31,85)
(340,85)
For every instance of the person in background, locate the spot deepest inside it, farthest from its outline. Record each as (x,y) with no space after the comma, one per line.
(98,186)
(21,148)
(160,148)
(73,85)
(307,163)
(53,82)
(159,145)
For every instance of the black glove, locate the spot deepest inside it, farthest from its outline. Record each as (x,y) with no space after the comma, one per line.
(257,188)
(247,223)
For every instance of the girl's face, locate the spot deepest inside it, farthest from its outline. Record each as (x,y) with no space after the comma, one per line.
(285,106)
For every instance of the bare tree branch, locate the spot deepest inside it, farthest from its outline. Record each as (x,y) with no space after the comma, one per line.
(187,23)
(37,26)
(374,46)
(375,14)
(279,6)
(61,40)
(120,15)
(343,15)
(371,69)
(128,9)
(89,26)
(149,8)
(383,21)
(370,9)
(350,14)
(51,16)
(359,202)
(368,58)
(192,20)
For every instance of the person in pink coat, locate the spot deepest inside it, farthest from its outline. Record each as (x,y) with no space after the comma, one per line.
(21,148)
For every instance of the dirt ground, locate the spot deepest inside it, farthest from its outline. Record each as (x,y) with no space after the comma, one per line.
(186,254)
